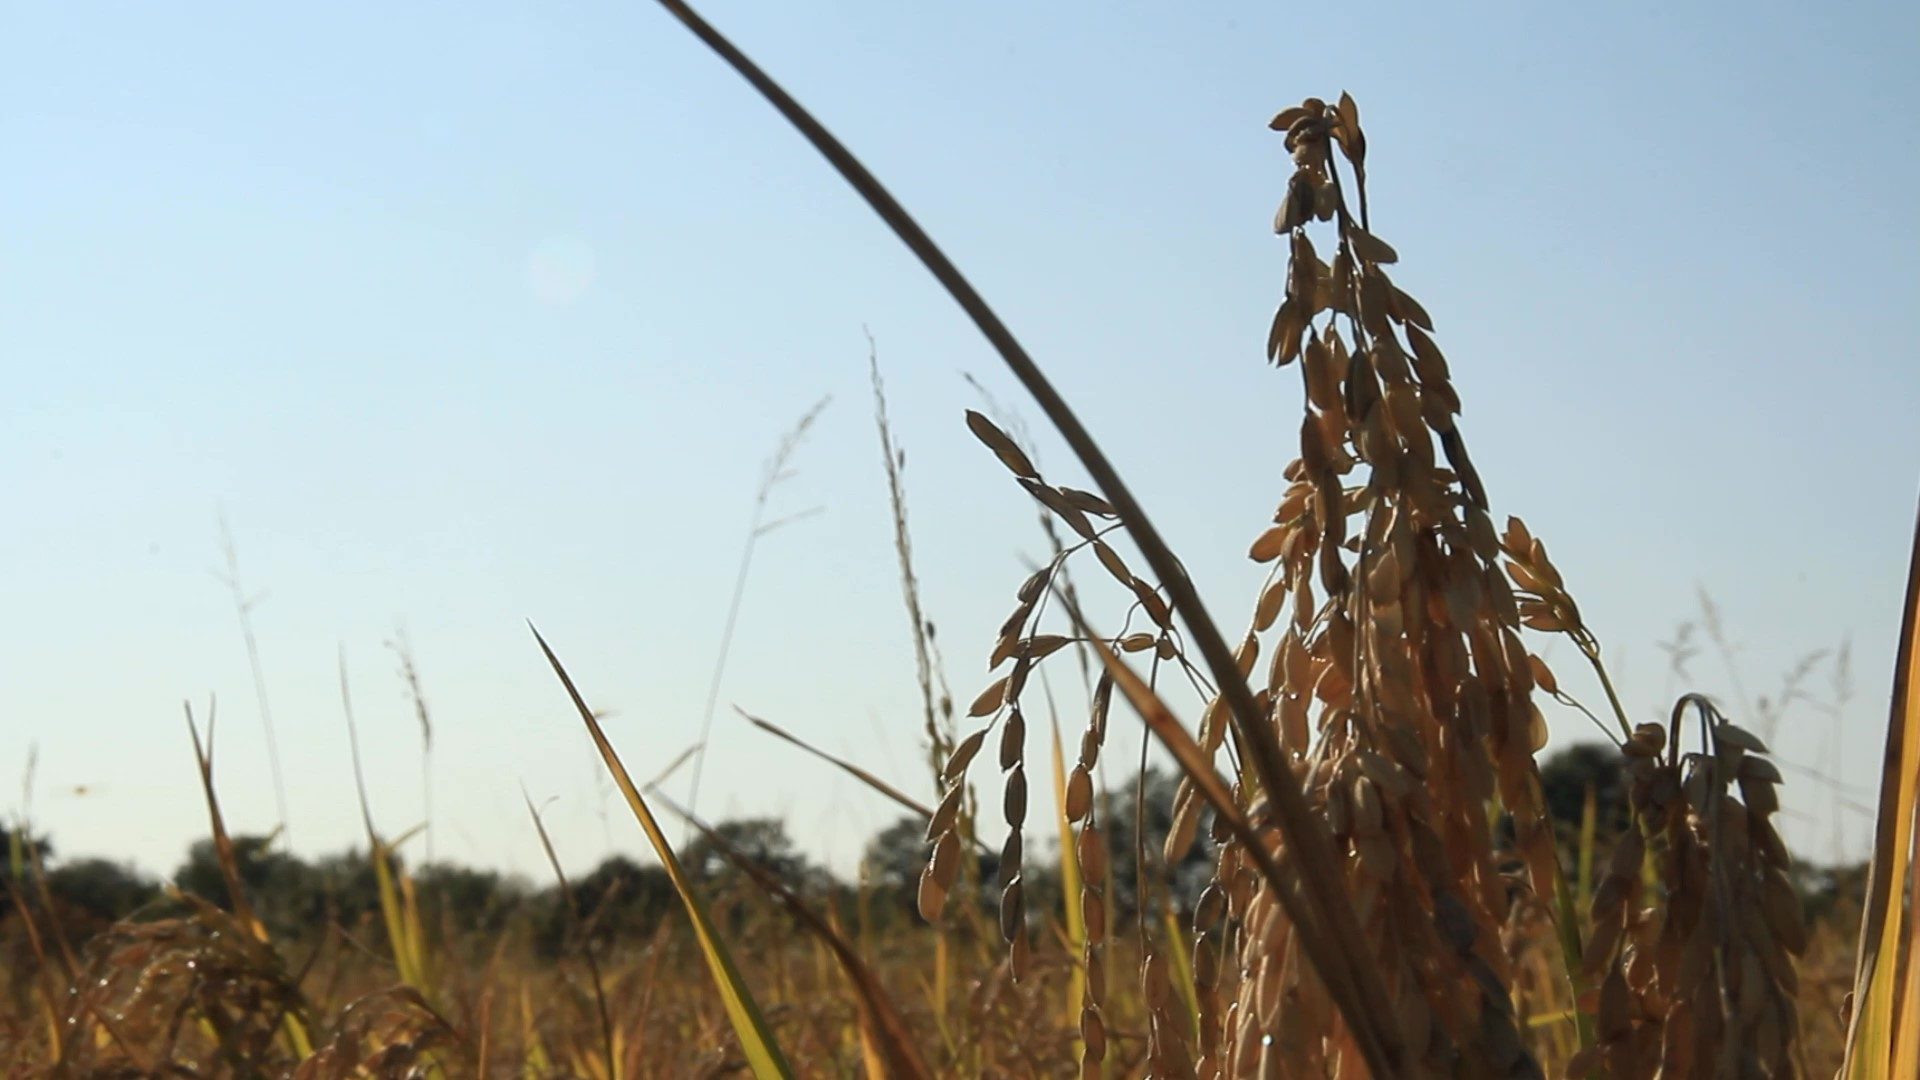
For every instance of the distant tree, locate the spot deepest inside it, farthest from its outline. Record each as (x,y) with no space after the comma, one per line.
(345,891)
(763,840)
(625,894)
(1832,892)
(894,856)
(461,900)
(101,889)
(1156,789)
(288,893)
(203,876)
(292,895)
(619,900)
(22,843)
(22,849)
(893,861)
(1566,777)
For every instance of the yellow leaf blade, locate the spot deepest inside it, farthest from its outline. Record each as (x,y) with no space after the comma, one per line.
(1884,1039)
(763,1054)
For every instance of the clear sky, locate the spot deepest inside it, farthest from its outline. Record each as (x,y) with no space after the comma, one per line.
(472,313)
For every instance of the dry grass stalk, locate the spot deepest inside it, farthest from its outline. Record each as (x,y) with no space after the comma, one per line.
(772,475)
(936,709)
(243,605)
(898,797)
(410,679)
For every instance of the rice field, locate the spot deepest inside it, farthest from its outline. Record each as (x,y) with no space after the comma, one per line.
(1355,869)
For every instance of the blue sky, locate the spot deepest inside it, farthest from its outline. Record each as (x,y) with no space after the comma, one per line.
(468,314)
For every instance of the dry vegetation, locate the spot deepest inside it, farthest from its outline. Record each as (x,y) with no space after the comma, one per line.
(1381,888)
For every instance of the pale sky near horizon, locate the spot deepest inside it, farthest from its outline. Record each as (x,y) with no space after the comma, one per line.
(471,314)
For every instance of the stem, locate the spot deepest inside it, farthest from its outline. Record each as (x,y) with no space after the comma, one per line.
(1568,931)
(1590,648)
(775,472)
(720,665)
(243,607)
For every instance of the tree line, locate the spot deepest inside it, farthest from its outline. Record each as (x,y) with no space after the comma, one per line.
(621,899)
